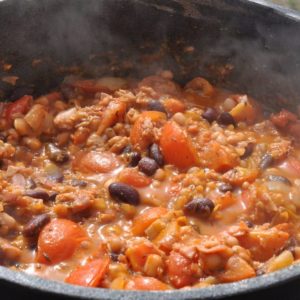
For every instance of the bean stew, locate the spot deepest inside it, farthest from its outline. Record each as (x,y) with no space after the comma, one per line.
(147,185)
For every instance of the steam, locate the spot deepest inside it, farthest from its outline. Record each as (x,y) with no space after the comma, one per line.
(139,37)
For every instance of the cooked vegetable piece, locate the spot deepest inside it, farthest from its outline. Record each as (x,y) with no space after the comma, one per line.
(134,178)
(91,274)
(95,162)
(146,218)
(176,146)
(58,241)
(173,105)
(180,270)
(137,254)
(20,106)
(236,269)
(141,134)
(146,284)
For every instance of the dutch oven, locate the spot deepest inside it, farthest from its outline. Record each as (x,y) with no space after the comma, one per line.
(247,46)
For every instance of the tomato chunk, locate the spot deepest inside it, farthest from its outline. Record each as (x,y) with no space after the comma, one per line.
(20,106)
(176,146)
(137,254)
(236,269)
(173,105)
(91,274)
(134,177)
(180,271)
(146,284)
(95,162)
(58,241)
(141,134)
(146,218)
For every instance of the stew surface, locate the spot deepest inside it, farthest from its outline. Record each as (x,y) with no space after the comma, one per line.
(147,185)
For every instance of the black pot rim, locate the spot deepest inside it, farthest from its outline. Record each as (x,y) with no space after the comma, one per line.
(211,292)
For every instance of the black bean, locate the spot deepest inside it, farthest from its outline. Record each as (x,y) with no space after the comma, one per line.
(249,223)
(77,182)
(266,161)
(248,150)
(278,178)
(156,105)
(210,115)
(225,187)
(127,149)
(52,196)
(202,207)
(30,184)
(55,154)
(226,118)
(114,256)
(35,225)
(124,193)
(135,157)
(37,194)
(148,166)
(155,153)
(56,176)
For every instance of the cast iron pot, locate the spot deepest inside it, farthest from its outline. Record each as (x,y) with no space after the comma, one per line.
(246,46)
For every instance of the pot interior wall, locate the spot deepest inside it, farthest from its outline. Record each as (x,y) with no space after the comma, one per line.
(237,44)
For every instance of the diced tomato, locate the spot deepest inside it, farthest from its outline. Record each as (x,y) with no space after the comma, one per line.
(282,119)
(146,218)
(146,284)
(20,106)
(141,134)
(58,241)
(137,255)
(173,105)
(264,243)
(236,269)
(179,270)
(114,113)
(176,146)
(95,162)
(91,274)
(134,177)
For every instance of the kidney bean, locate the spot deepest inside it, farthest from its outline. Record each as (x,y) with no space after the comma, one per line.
(77,182)
(37,194)
(52,196)
(202,207)
(248,151)
(278,178)
(225,187)
(155,153)
(226,118)
(135,157)
(55,154)
(148,166)
(156,105)
(35,225)
(124,193)
(266,161)
(210,115)
(30,184)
